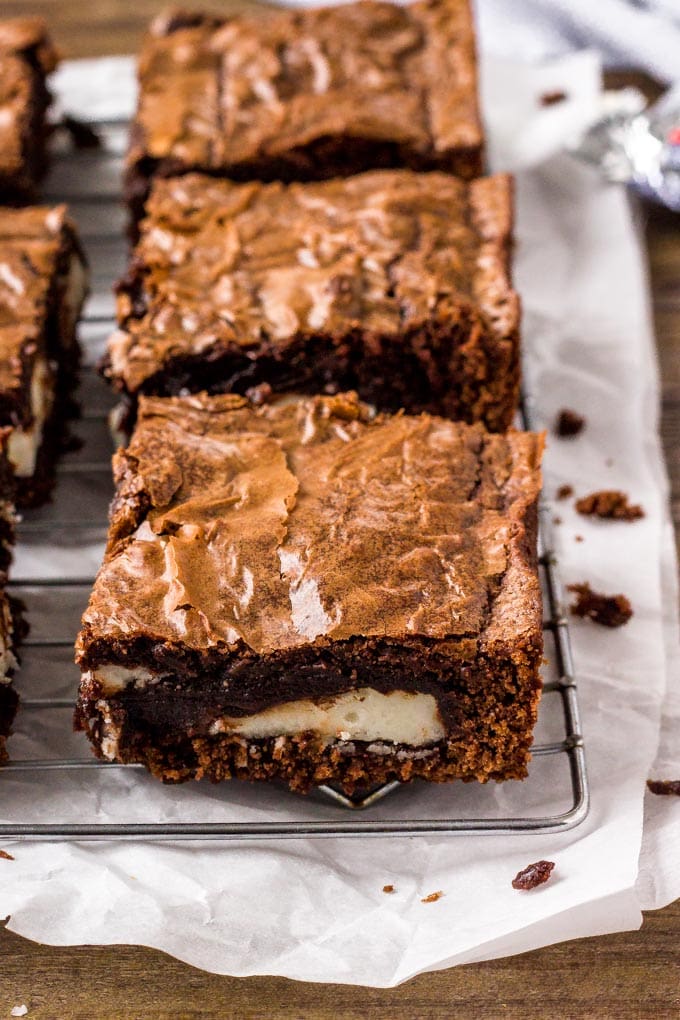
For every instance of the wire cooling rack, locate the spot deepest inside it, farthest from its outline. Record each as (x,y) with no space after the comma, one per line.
(68,535)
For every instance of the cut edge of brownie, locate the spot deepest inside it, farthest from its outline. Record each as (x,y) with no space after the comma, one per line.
(489,708)
(61,353)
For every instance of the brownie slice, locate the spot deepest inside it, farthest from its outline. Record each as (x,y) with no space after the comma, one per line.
(392,283)
(26,58)
(307,94)
(301,591)
(42,289)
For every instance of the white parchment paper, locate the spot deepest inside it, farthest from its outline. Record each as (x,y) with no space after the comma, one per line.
(315,910)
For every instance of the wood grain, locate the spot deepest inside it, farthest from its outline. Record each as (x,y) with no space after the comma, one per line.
(631,975)
(628,977)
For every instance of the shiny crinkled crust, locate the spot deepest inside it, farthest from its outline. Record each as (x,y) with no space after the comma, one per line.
(303,94)
(260,530)
(392,282)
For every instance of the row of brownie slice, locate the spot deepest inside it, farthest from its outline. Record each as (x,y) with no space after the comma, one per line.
(303,234)
(309,219)
(43,281)
(392,278)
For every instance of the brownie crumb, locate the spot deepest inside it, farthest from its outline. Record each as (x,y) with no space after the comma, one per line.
(568,423)
(557,520)
(553,97)
(533,875)
(664,787)
(607,610)
(388,888)
(82,135)
(609,504)
(5,856)
(564,492)
(433,897)
(578,538)
(261,394)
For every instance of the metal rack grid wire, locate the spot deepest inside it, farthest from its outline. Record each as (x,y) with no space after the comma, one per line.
(101,241)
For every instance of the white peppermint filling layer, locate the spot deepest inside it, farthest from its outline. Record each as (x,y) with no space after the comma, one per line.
(114,678)
(23,443)
(75,292)
(400,717)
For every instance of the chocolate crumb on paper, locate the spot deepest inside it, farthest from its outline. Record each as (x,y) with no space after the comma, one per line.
(388,888)
(578,538)
(607,610)
(568,423)
(432,897)
(664,787)
(553,97)
(533,875)
(564,492)
(4,856)
(609,504)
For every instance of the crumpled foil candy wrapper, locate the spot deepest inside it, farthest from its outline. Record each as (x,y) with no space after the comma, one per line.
(638,146)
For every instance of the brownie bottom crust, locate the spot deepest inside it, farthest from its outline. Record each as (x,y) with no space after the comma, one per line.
(303,762)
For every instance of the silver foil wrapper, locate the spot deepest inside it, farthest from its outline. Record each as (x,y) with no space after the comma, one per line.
(635,145)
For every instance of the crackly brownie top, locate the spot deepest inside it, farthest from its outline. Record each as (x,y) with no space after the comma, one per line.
(31,240)
(272,527)
(219,93)
(25,51)
(258,265)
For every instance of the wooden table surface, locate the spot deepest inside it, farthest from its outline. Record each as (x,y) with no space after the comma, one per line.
(632,975)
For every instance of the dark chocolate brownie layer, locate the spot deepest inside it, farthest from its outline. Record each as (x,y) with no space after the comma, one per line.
(393,283)
(26,58)
(42,288)
(307,94)
(283,557)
